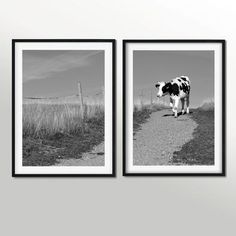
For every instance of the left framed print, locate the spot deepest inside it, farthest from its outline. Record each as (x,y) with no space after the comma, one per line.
(63,107)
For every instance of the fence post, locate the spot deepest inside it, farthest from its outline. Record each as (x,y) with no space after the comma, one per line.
(81,104)
(151,100)
(141,100)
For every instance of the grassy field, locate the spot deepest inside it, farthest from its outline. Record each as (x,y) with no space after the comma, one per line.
(54,130)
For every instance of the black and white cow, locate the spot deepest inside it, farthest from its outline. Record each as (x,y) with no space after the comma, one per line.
(178,89)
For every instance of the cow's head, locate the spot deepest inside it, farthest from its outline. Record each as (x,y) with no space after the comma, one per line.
(163,88)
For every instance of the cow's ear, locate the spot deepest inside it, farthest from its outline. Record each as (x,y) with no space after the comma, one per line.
(168,86)
(157,85)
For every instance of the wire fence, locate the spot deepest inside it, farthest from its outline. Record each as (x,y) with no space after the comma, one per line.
(97,98)
(148,97)
(63,111)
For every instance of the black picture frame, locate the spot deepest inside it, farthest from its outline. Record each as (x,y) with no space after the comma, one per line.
(222,42)
(113,118)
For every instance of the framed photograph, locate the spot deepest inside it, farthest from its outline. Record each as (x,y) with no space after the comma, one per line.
(174,112)
(63,107)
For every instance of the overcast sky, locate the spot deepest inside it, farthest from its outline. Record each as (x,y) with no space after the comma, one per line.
(152,66)
(52,73)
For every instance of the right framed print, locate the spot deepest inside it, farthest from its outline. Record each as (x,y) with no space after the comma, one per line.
(174,108)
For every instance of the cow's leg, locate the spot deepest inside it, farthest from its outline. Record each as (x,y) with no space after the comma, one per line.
(171,104)
(176,107)
(187,103)
(182,103)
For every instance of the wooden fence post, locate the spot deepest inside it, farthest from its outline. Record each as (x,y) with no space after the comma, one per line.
(141,100)
(81,104)
(151,99)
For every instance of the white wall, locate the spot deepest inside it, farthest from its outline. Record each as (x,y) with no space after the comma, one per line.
(128,206)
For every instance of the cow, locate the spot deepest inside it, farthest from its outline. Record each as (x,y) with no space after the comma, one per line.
(178,89)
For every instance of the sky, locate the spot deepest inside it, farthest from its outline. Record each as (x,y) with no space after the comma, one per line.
(55,73)
(150,67)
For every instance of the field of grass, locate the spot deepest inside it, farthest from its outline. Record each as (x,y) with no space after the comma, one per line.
(199,150)
(54,130)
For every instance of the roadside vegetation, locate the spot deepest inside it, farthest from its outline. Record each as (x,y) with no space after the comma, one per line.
(199,150)
(54,130)
(207,105)
(142,112)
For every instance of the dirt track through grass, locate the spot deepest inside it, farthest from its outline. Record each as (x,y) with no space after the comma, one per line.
(160,137)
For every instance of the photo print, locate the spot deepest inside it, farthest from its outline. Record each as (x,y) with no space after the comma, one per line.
(63,94)
(174,108)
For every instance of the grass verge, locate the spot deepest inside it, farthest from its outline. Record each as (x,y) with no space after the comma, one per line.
(139,117)
(45,151)
(142,113)
(199,150)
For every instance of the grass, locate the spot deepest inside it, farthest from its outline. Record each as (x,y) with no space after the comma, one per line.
(199,150)
(139,117)
(57,130)
(141,113)
(207,105)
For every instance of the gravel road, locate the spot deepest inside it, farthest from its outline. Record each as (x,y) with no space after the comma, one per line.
(93,158)
(160,136)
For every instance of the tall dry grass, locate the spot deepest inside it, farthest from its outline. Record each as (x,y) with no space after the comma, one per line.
(140,105)
(46,118)
(207,105)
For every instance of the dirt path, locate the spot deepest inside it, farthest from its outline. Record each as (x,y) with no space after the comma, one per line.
(160,136)
(93,158)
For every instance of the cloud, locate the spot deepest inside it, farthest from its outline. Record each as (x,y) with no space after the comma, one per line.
(40,65)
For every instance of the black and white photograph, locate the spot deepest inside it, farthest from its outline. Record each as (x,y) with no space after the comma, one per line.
(64,107)
(174,107)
